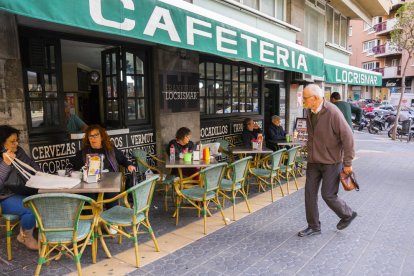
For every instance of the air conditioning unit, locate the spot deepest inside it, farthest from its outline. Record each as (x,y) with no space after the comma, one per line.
(302,77)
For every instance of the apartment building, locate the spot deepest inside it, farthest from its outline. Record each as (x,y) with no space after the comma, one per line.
(372,50)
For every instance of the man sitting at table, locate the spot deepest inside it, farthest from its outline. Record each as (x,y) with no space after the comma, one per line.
(275,133)
(250,132)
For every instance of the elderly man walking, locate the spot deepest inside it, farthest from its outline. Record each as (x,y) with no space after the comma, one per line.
(330,147)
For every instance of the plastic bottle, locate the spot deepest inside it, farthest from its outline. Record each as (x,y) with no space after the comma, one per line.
(172,153)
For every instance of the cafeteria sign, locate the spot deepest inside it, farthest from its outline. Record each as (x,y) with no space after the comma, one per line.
(175,23)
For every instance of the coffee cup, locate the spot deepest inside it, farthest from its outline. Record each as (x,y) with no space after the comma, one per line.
(61,172)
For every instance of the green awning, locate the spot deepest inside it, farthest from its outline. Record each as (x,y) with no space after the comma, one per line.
(336,72)
(174,23)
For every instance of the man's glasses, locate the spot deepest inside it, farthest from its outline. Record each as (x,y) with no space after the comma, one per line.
(305,98)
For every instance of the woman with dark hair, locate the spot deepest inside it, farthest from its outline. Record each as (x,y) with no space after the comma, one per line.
(182,142)
(12,202)
(250,131)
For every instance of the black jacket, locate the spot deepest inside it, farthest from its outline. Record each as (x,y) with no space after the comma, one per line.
(248,136)
(276,133)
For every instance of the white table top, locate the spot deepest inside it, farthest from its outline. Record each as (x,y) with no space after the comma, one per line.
(110,182)
(193,164)
(244,150)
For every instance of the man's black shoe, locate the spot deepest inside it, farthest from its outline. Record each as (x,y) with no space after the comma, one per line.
(343,223)
(309,232)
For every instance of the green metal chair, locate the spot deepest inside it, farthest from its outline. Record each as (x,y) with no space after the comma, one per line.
(235,182)
(119,217)
(11,222)
(166,179)
(225,151)
(207,191)
(290,168)
(60,229)
(269,171)
(301,160)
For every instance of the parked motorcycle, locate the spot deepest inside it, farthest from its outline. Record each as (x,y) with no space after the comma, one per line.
(376,125)
(360,126)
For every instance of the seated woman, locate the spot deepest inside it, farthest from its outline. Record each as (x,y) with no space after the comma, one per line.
(182,143)
(250,131)
(12,203)
(96,140)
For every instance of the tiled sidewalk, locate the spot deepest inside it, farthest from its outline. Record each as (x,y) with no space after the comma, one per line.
(380,241)
(170,238)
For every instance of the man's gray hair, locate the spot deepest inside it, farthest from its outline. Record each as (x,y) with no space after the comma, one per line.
(314,90)
(275,117)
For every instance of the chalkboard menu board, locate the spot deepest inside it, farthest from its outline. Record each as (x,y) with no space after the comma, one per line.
(302,129)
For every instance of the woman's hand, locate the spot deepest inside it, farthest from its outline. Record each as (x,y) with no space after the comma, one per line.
(6,160)
(131,168)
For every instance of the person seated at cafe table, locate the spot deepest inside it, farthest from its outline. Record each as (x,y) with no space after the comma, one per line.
(96,141)
(275,133)
(182,144)
(250,131)
(11,202)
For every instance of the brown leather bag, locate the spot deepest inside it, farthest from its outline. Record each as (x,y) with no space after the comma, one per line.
(349,181)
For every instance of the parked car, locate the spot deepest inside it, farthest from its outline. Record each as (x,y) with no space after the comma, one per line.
(381,111)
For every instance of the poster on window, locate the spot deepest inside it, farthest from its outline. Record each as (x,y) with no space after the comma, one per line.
(301,129)
(179,92)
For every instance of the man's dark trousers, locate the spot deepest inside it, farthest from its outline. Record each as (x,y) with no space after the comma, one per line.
(329,174)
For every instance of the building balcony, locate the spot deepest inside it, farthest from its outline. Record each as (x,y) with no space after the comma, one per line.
(392,72)
(386,49)
(385,27)
(379,70)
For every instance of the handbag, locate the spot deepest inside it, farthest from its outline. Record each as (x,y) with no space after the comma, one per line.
(16,183)
(349,181)
(41,180)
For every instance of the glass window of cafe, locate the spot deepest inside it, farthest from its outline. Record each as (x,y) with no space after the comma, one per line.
(95,82)
(228,88)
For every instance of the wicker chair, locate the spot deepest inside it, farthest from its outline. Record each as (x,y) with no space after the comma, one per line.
(235,182)
(60,228)
(166,179)
(11,222)
(119,217)
(290,168)
(204,193)
(269,171)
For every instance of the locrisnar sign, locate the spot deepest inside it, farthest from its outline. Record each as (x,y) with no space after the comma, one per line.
(175,23)
(341,73)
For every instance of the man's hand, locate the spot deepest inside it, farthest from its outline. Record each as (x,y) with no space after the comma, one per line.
(131,168)
(348,170)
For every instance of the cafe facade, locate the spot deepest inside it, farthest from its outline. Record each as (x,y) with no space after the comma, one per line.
(143,69)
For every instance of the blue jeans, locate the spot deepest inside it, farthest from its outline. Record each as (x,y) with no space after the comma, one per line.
(14,206)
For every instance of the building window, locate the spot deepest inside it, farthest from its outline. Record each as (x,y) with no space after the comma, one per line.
(228,88)
(371,65)
(42,83)
(350,48)
(314,29)
(369,45)
(273,8)
(336,27)
(350,31)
